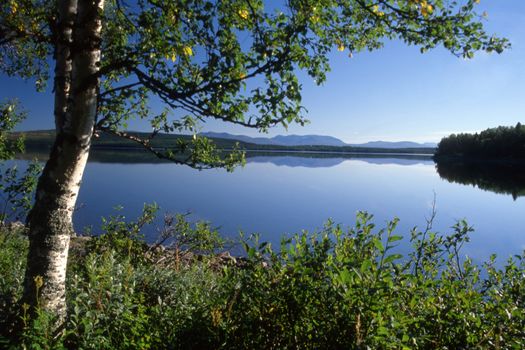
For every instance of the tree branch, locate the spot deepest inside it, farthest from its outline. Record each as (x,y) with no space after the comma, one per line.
(146,144)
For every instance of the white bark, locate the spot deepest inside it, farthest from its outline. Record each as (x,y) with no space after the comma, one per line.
(67,11)
(50,220)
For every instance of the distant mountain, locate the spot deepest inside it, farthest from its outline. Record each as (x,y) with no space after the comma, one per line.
(307,140)
(281,140)
(243,138)
(315,140)
(398,144)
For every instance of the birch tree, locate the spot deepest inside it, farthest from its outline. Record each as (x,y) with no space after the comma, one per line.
(234,60)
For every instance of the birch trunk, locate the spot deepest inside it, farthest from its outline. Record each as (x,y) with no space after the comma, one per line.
(76,88)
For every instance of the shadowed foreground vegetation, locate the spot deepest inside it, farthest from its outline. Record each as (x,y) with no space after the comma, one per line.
(332,289)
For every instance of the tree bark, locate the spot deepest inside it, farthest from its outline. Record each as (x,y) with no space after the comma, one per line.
(76,89)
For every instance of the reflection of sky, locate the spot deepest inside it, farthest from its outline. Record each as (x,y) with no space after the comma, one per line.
(274,200)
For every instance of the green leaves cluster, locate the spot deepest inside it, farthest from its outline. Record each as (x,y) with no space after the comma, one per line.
(12,267)
(16,191)
(10,116)
(16,187)
(26,38)
(352,289)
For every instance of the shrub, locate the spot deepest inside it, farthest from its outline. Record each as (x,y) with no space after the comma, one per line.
(348,289)
(13,246)
(332,289)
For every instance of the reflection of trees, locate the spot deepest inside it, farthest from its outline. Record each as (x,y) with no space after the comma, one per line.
(498,177)
(132,155)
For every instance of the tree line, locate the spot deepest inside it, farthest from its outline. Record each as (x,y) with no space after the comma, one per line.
(506,142)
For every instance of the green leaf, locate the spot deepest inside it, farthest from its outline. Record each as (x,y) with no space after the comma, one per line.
(378,244)
(366,265)
(394,238)
(392,257)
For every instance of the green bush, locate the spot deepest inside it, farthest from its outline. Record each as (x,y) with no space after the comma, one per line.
(348,289)
(13,246)
(332,289)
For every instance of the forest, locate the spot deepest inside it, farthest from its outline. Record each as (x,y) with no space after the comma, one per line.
(501,143)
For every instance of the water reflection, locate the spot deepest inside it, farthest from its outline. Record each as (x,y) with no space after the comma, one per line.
(289,159)
(327,160)
(285,193)
(504,178)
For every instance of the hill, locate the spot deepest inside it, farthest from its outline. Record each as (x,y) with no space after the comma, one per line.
(281,140)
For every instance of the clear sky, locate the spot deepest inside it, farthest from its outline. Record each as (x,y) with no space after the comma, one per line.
(392,94)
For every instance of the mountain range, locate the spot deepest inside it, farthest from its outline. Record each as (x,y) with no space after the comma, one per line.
(315,140)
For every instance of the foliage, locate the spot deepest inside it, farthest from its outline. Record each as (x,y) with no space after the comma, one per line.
(333,289)
(351,290)
(16,188)
(178,235)
(13,245)
(501,143)
(16,191)
(124,238)
(10,116)
(184,237)
(234,61)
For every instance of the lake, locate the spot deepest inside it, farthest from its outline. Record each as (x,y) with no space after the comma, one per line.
(282,194)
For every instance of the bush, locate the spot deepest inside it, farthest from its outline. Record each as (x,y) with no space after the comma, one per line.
(333,289)
(339,289)
(13,246)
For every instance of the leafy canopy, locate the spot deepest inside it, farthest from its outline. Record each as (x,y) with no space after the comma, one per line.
(233,60)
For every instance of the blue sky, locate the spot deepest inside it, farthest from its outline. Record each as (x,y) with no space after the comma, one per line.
(392,94)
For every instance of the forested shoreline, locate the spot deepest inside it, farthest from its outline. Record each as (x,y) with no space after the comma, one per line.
(503,143)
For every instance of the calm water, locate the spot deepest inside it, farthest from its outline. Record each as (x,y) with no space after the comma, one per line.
(276,195)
